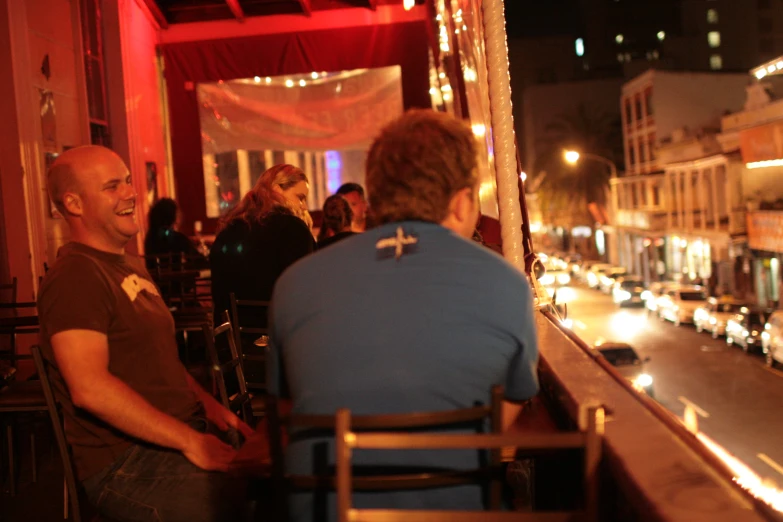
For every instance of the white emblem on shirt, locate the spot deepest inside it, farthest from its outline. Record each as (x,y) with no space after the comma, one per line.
(133,285)
(398,242)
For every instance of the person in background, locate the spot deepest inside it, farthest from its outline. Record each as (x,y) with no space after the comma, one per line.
(262,236)
(337,219)
(354,195)
(147,441)
(163,236)
(407,317)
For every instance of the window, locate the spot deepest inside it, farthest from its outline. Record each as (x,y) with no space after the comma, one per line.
(712,16)
(648,101)
(631,154)
(628,113)
(638,107)
(765,25)
(713,39)
(94,73)
(716,62)
(580,47)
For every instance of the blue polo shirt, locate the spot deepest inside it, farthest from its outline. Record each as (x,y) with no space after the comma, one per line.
(407,317)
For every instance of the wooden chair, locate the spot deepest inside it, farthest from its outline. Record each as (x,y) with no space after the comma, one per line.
(71,488)
(475,417)
(233,394)
(347,440)
(253,356)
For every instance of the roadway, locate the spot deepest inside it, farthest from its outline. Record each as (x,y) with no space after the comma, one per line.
(739,399)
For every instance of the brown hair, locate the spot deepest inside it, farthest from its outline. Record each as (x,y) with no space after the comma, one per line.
(417,164)
(262,198)
(337,216)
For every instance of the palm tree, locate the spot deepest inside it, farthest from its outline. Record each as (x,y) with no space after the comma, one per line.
(565,191)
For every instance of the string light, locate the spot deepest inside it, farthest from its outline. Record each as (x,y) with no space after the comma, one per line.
(289,83)
(302,83)
(257,79)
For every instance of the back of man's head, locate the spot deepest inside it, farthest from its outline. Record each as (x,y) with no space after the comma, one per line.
(417,164)
(350,187)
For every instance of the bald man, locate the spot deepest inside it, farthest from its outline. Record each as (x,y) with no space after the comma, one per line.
(147,440)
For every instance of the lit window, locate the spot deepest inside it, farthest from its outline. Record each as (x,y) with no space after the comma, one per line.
(661,35)
(712,16)
(619,38)
(716,62)
(580,47)
(713,39)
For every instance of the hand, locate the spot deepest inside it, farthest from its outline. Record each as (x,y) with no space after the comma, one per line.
(208,452)
(225,419)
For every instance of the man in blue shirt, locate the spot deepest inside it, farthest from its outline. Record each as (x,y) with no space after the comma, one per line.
(410,316)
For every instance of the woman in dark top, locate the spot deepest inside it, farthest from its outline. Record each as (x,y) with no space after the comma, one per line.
(337,221)
(259,238)
(163,238)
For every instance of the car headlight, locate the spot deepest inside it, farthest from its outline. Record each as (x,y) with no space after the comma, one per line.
(744,333)
(563,279)
(713,320)
(623,295)
(754,333)
(644,380)
(765,336)
(646,295)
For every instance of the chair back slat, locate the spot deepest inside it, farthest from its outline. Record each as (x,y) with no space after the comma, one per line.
(59,433)
(240,401)
(253,357)
(347,440)
(401,515)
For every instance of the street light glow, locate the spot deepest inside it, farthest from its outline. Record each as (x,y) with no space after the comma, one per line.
(571,156)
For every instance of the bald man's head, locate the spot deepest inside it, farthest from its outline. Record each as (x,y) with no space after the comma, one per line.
(70,170)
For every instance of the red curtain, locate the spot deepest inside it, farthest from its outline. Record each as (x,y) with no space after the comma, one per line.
(188,63)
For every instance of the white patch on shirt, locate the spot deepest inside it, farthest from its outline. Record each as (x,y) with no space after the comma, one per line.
(133,285)
(398,242)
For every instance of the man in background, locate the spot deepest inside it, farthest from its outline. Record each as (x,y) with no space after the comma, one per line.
(354,195)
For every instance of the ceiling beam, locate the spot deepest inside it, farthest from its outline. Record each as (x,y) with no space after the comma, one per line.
(157,14)
(307,9)
(236,10)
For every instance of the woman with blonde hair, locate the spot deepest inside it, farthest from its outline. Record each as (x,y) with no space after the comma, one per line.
(259,238)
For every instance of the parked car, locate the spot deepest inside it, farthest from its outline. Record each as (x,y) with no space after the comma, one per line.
(623,357)
(554,278)
(653,293)
(595,273)
(679,304)
(610,276)
(628,290)
(746,329)
(772,338)
(713,316)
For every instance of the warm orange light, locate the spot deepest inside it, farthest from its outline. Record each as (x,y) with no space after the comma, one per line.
(408,4)
(571,156)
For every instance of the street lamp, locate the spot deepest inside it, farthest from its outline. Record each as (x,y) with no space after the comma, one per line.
(572,157)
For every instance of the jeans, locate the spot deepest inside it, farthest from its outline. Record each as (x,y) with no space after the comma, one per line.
(155,484)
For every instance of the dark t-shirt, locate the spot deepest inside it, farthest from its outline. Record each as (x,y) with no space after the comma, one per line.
(88,289)
(247,259)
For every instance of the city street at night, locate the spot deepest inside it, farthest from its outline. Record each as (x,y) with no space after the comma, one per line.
(737,397)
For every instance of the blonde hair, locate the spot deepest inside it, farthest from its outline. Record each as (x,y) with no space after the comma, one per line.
(263,199)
